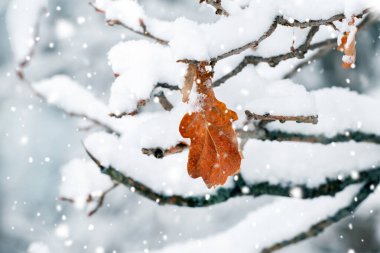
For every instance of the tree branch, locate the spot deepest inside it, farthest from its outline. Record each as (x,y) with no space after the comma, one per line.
(21,75)
(319,227)
(278,20)
(144,33)
(322,52)
(159,152)
(325,48)
(217,4)
(222,194)
(100,201)
(282,119)
(264,134)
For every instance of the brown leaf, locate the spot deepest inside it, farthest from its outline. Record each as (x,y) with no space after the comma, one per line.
(348,46)
(214,153)
(188,84)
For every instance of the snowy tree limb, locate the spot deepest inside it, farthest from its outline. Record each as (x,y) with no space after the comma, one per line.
(299,53)
(326,47)
(264,134)
(279,20)
(240,189)
(319,227)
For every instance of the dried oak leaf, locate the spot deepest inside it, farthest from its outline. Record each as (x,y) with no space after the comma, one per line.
(188,84)
(214,152)
(348,45)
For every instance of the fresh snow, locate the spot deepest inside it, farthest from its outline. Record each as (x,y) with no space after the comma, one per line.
(305,163)
(81,178)
(140,65)
(244,26)
(339,110)
(249,91)
(275,222)
(22,18)
(70,96)
(168,175)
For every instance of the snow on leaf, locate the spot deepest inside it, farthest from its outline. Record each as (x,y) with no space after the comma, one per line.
(214,153)
(347,44)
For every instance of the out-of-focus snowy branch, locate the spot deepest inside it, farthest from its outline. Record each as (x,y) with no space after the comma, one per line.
(319,227)
(325,46)
(143,31)
(217,4)
(57,90)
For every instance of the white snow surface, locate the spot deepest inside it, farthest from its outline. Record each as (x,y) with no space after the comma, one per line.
(22,18)
(81,178)
(140,65)
(168,175)
(249,91)
(339,110)
(244,26)
(275,222)
(305,163)
(70,96)
(264,161)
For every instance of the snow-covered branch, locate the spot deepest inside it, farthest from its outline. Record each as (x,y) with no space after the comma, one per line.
(241,188)
(282,119)
(320,227)
(217,4)
(277,125)
(280,20)
(114,11)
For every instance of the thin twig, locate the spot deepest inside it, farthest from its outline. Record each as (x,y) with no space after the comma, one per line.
(101,199)
(278,20)
(325,48)
(273,61)
(264,134)
(159,152)
(140,104)
(144,33)
(322,52)
(164,101)
(21,75)
(268,117)
(217,4)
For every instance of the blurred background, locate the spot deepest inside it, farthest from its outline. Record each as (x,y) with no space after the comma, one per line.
(36,140)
